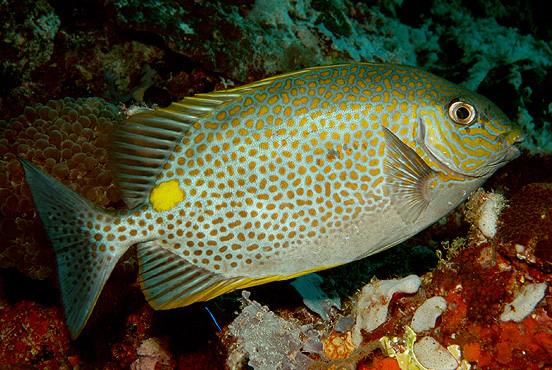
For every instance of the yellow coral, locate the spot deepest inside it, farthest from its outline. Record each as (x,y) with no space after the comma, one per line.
(453,249)
(403,351)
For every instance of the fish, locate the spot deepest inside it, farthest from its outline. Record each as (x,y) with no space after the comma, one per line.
(272,180)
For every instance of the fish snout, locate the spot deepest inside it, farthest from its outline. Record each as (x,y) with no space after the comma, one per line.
(511,137)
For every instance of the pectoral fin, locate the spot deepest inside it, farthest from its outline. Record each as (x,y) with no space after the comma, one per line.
(410,181)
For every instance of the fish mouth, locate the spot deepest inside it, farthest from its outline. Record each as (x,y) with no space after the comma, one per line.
(511,151)
(508,154)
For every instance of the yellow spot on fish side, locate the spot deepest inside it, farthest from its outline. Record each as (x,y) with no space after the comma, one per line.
(166,195)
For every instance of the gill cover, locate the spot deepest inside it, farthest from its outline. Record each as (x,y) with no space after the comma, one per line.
(469,135)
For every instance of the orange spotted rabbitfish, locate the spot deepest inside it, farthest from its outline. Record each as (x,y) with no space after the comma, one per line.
(272,180)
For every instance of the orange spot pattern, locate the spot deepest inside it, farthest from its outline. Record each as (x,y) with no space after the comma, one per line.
(287,162)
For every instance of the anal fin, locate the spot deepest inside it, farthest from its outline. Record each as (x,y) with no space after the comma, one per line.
(169,281)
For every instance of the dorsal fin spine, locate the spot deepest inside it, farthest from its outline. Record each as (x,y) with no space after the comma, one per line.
(147,139)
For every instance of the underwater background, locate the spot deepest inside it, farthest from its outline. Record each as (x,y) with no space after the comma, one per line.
(71,70)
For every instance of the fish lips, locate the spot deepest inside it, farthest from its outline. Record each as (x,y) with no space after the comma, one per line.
(510,140)
(508,154)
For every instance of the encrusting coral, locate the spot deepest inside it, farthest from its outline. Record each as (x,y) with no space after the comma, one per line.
(153,355)
(529,237)
(68,139)
(482,212)
(32,333)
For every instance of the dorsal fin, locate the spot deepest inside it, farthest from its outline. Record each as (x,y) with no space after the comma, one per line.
(140,146)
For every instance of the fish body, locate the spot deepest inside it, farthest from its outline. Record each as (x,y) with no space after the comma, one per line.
(272,180)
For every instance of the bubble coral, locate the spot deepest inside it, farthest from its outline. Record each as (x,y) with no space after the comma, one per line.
(68,139)
(527,224)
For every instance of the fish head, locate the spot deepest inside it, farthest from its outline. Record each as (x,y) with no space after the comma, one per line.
(468,134)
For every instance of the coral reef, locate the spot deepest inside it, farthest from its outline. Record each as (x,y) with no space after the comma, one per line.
(338,345)
(432,355)
(267,341)
(314,297)
(152,355)
(426,315)
(374,300)
(67,139)
(34,334)
(524,303)
(468,331)
(130,349)
(423,354)
(480,308)
(529,237)
(158,52)
(28,33)
(110,49)
(482,212)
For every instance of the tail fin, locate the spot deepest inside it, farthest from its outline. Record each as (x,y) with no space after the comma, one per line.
(85,255)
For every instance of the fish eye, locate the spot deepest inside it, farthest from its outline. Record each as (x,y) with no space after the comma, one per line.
(462,112)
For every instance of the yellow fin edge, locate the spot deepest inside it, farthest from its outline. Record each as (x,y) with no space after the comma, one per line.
(223,287)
